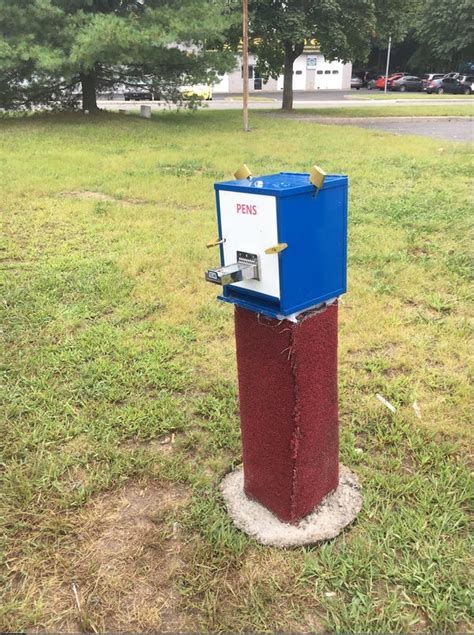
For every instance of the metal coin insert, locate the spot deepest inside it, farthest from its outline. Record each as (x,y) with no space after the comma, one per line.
(246,268)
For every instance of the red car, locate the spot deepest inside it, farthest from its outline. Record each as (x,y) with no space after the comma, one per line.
(380,81)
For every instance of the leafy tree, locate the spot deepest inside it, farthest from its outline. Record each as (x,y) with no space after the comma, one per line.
(47,47)
(444,30)
(344,30)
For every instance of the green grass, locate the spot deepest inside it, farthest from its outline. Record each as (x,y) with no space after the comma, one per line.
(119,379)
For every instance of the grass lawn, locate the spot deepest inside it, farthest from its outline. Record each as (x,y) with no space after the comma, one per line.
(120,411)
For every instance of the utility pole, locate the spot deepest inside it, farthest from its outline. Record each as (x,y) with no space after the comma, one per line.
(388,62)
(245,62)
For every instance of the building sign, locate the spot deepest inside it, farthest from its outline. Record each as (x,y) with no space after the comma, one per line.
(311,62)
(311,46)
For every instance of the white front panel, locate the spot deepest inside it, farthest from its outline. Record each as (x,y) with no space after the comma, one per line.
(249,223)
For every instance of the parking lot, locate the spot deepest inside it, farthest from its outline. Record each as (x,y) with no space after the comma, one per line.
(448,128)
(451,129)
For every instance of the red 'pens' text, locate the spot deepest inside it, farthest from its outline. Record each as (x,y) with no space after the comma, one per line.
(242,208)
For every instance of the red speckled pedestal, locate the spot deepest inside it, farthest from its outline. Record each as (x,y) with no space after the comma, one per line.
(288,409)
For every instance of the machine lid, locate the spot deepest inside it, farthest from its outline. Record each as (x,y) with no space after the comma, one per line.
(281,184)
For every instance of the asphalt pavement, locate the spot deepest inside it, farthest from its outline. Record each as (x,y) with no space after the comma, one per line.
(301,99)
(299,95)
(449,128)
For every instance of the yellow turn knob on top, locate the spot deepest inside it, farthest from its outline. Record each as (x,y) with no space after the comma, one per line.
(317,176)
(243,172)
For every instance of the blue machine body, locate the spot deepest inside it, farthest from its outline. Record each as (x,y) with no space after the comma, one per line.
(313,223)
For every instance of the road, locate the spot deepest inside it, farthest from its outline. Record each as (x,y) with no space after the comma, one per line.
(302,99)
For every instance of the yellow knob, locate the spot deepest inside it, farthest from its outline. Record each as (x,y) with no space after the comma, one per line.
(243,172)
(317,176)
(276,248)
(217,241)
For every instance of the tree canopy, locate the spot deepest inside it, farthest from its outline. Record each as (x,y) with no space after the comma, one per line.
(444,31)
(344,30)
(49,46)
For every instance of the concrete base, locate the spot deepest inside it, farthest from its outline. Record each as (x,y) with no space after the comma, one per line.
(326,521)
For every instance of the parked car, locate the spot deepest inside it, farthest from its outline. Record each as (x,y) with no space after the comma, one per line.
(380,81)
(356,82)
(138,94)
(432,86)
(467,80)
(366,76)
(201,91)
(448,85)
(429,77)
(407,82)
(392,78)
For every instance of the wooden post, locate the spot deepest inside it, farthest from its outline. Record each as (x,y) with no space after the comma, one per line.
(245,62)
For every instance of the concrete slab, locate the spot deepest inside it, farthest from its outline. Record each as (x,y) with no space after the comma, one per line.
(328,519)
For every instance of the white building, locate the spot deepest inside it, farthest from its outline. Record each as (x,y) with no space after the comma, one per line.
(310,72)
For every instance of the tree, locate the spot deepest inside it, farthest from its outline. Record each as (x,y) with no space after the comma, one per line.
(47,47)
(444,30)
(343,28)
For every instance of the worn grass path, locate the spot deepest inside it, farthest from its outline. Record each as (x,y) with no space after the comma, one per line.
(119,412)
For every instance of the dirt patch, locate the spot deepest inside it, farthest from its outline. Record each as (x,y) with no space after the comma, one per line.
(163,445)
(310,623)
(99,196)
(96,196)
(122,570)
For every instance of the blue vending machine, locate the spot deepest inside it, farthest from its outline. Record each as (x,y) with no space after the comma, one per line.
(283,242)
